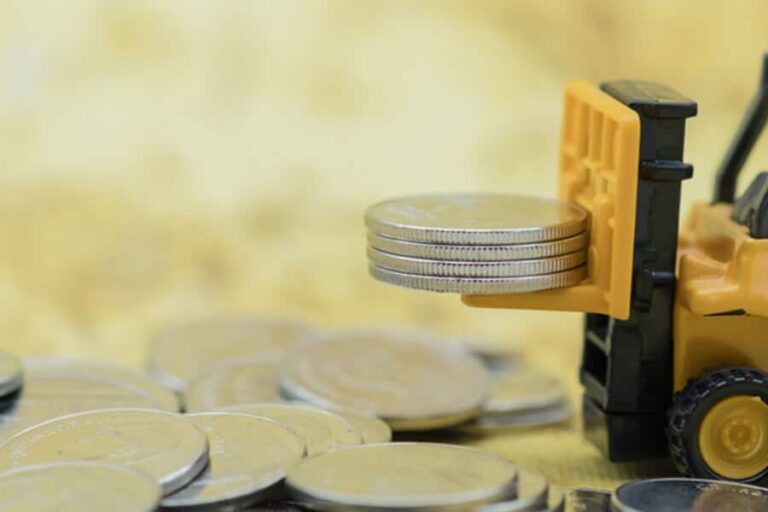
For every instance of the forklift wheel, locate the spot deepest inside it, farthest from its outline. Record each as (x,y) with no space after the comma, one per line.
(718,426)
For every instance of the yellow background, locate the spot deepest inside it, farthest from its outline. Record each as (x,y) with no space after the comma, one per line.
(165,160)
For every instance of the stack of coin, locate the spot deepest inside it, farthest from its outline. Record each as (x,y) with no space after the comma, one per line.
(477,243)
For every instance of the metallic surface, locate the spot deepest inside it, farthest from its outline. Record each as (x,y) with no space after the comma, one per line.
(404,378)
(373,429)
(242,383)
(689,495)
(468,219)
(517,268)
(248,457)
(321,430)
(398,476)
(167,446)
(478,285)
(452,252)
(180,353)
(525,418)
(531,492)
(77,487)
(523,389)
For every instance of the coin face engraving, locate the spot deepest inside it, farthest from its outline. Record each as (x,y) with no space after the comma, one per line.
(165,445)
(476,219)
(408,381)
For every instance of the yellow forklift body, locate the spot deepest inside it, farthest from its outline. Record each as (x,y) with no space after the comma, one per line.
(721,311)
(599,152)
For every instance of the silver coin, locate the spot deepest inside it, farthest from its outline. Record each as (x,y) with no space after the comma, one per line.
(689,495)
(522,389)
(320,430)
(539,417)
(402,476)
(11,373)
(182,352)
(587,500)
(519,268)
(44,397)
(244,383)
(165,445)
(480,285)
(472,219)
(78,486)
(249,456)
(479,252)
(164,398)
(406,379)
(531,492)
(373,429)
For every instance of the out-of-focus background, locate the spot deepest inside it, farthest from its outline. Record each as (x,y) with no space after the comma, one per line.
(167,160)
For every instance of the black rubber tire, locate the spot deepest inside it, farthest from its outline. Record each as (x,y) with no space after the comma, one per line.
(691,405)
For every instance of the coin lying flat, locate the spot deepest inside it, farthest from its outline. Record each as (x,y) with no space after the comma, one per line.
(244,383)
(480,285)
(372,429)
(689,495)
(531,492)
(167,446)
(406,379)
(525,418)
(321,430)
(523,389)
(44,397)
(162,396)
(469,219)
(11,373)
(397,476)
(248,457)
(182,352)
(78,486)
(478,252)
(518,268)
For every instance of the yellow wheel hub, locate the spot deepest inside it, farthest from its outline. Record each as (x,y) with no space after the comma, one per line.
(733,437)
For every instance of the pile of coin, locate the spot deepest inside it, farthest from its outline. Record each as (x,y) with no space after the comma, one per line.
(477,243)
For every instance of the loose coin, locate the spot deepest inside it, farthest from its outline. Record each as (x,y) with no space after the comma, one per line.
(236,384)
(480,285)
(44,397)
(478,252)
(399,476)
(471,219)
(321,430)
(519,268)
(78,486)
(11,374)
(689,495)
(531,492)
(248,457)
(406,379)
(372,429)
(182,352)
(539,417)
(587,500)
(164,398)
(167,446)
(523,389)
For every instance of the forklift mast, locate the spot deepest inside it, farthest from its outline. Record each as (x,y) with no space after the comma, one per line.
(627,364)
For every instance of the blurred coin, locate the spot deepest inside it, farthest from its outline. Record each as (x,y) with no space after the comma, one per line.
(471,219)
(406,379)
(531,491)
(402,476)
(78,486)
(41,368)
(480,285)
(10,373)
(478,252)
(523,389)
(167,446)
(496,360)
(372,429)
(248,457)
(689,495)
(539,417)
(321,430)
(182,352)
(555,500)
(519,268)
(44,397)
(587,500)
(243,383)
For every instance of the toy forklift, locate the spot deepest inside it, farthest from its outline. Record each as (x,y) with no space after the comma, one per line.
(675,353)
